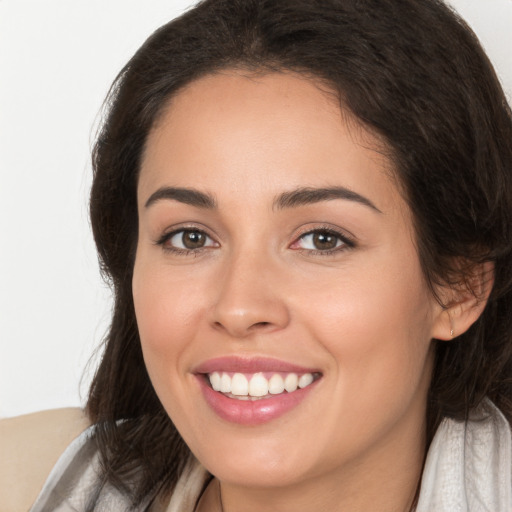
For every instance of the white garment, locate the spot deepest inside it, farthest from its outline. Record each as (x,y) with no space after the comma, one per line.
(468,469)
(469,465)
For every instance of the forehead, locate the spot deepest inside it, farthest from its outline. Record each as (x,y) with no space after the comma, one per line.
(233,132)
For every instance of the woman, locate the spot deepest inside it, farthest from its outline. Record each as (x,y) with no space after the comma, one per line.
(304,208)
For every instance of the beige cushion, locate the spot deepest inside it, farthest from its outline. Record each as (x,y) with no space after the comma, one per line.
(29,447)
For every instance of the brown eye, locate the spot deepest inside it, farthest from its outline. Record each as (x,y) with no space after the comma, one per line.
(193,239)
(187,240)
(324,241)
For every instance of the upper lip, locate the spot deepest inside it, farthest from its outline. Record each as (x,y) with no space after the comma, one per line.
(250,365)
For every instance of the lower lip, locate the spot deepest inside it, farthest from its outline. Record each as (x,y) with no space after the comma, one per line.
(252,412)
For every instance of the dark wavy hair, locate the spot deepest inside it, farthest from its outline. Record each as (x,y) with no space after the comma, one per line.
(412,72)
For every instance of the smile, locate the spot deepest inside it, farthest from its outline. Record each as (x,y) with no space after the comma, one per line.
(254,391)
(259,385)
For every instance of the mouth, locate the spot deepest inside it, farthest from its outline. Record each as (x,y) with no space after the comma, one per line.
(254,391)
(259,385)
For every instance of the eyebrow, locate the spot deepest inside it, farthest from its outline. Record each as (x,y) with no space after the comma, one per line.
(305,196)
(291,199)
(189,196)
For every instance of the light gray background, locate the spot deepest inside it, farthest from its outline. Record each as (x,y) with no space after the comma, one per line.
(57,60)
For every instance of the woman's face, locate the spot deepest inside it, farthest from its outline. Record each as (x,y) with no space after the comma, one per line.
(273,242)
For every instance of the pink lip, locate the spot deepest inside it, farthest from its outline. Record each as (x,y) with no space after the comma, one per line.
(250,365)
(251,412)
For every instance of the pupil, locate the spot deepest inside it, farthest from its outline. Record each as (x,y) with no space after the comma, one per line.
(193,239)
(324,241)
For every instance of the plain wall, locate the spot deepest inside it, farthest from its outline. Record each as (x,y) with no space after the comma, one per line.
(57,60)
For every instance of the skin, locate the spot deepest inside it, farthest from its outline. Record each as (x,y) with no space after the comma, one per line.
(361,314)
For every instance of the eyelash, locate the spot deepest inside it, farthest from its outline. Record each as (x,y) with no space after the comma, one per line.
(166,237)
(346,242)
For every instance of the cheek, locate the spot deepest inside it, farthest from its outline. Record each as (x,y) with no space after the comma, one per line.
(372,303)
(166,312)
(376,328)
(166,307)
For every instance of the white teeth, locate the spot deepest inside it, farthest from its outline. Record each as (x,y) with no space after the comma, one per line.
(225,383)
(290,382)
(258,385)
(239,385)
(305,380)
(276,384)
(215,381)
(242,387)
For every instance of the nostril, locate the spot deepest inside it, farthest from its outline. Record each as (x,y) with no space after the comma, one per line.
(243,330)
(259,324)
(240,320)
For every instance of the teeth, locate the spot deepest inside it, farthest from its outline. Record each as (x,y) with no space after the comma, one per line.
(291,382)
(215,381)
(239,385)
(258,385)
(225,383)
(305,380)
(276,384)
(244,386)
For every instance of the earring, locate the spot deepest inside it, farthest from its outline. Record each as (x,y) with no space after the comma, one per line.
(451,332)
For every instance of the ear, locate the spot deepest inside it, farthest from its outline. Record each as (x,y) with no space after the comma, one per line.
(463,303)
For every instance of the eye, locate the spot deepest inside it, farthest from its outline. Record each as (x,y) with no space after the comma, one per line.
(186,240)
(322,241)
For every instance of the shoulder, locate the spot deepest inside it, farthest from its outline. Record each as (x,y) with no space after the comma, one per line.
(30,445)
(469,463)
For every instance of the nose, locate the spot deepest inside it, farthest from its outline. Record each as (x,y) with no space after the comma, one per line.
(249,299)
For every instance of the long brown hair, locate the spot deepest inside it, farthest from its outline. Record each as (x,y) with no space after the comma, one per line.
(412,72)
